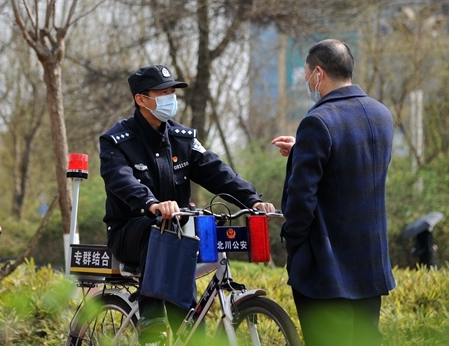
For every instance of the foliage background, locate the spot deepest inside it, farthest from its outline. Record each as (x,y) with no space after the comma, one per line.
(403,202)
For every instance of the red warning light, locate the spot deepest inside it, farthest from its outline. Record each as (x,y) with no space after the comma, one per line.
(77,166)
(259,239)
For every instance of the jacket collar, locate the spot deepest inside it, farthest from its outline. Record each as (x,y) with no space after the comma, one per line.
(147,131)
(349,91)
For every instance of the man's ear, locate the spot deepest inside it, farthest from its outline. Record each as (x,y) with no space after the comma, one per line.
(138,99)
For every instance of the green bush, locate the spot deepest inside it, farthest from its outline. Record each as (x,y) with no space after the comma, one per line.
(417,311)
(36,304)
(13,231)
(34,307)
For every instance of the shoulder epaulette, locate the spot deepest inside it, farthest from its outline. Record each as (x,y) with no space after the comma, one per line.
(182,132)
(121,137)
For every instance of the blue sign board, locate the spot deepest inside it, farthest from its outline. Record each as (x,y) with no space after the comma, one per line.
(232,239)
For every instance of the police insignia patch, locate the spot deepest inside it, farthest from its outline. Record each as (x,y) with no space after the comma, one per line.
(141,167)
(165,72)
(230,233)
(182,132)
(197,146)
(122,136)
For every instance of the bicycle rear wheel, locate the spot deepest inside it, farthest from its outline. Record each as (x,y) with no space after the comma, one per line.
(98,322)
(262,322)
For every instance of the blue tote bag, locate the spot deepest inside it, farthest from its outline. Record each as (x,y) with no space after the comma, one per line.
(170,265)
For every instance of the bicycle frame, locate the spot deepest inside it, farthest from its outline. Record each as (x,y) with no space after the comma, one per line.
(220,282)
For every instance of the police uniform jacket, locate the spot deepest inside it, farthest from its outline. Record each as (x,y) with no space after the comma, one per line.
(141,166)
(334,198)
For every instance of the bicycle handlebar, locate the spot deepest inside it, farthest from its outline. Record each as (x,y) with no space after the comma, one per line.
(224,216)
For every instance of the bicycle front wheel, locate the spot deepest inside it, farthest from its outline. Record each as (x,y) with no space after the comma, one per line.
(99,321)
(260,321)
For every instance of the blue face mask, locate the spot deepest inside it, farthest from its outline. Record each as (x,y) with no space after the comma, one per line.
(315,96)
(166,107)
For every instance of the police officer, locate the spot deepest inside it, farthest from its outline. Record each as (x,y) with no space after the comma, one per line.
(147,163)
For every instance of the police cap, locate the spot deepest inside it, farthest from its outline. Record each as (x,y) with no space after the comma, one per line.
(155,77)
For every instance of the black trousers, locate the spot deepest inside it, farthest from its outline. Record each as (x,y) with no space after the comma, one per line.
(130,244)
(339,322)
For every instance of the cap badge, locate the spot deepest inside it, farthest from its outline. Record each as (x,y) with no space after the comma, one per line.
(165,72)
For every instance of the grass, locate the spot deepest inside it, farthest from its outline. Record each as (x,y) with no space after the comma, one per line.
(36,304)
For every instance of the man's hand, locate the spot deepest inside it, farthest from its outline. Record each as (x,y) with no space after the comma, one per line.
(166,209)
(266,207)
(284,143)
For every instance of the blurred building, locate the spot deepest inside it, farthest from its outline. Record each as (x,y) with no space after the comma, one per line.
(277,86)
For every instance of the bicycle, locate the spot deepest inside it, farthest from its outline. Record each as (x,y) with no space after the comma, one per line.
(109,316)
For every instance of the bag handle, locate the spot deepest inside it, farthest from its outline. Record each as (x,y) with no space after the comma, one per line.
(169,227)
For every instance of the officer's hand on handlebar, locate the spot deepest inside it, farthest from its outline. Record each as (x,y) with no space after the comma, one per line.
(266,207)
(165,209)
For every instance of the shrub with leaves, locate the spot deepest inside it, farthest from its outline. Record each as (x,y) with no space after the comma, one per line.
(34,308)
(417,311)
(36,305)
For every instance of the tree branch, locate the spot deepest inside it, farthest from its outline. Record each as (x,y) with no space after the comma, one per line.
(69,17)
(230,33)
(22,26)
(49,14)
(220,131)
(70,22)
(35,24)
(30,15)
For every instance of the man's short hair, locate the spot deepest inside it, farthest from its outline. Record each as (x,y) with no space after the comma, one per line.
(334,57)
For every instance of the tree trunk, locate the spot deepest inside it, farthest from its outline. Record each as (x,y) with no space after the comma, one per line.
(17,192)
(21,177)
(200,90)
(52,78)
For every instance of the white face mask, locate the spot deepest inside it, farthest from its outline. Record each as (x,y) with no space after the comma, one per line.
(314,95)
(166,107)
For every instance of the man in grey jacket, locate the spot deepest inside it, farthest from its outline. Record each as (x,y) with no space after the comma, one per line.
(334,204)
